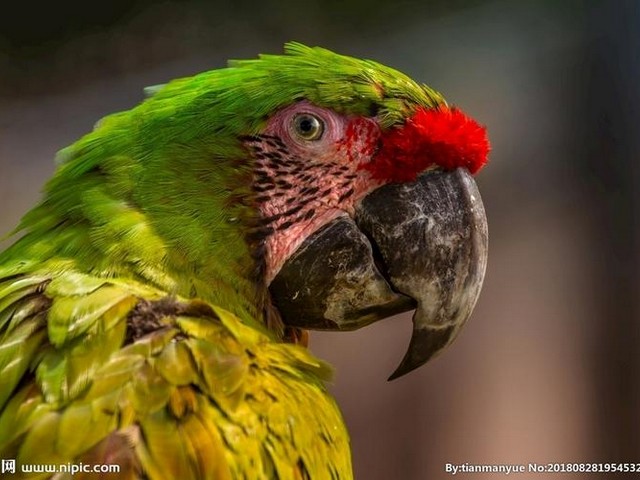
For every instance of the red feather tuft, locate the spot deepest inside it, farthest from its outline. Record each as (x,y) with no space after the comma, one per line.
(441,137)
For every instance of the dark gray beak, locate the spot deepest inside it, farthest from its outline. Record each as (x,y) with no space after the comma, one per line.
(420,245)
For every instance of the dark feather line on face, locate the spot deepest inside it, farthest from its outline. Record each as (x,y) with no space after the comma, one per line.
(269,221)
(272,218)
(257,234)
(284,170)
(285,225)
(306,216)
(283,184)
(266,136)
(292,211)
(346,195)
(304,201)
(273,165)
(250,138)
(309,190)
(264,178)
(281,144)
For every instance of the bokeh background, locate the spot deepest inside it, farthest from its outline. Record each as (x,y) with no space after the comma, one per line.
(547,369)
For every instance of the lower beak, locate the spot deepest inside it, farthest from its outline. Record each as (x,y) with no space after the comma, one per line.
(420,245)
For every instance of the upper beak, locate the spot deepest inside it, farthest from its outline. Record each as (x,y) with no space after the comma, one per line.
(420,245)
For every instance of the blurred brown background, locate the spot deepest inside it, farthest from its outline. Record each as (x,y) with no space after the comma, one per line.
(548,368)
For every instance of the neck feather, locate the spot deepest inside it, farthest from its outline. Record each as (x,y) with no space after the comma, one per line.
(200,251)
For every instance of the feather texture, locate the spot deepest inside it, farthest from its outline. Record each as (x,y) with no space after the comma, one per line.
(203,396)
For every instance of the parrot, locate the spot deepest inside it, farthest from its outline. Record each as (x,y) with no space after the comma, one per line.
(155,305)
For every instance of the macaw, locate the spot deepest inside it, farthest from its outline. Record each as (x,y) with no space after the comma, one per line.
(154,308)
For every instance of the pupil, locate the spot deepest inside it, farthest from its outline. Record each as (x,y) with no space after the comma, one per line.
(306,125)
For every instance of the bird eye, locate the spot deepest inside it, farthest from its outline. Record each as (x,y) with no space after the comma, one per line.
(308,126)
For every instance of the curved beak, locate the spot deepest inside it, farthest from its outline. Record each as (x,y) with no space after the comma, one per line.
(420,245)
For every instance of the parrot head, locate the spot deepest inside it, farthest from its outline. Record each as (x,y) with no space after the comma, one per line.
(336,256)
(319,190)
(314,164)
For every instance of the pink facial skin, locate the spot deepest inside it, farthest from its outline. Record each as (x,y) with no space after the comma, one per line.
(301,184)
